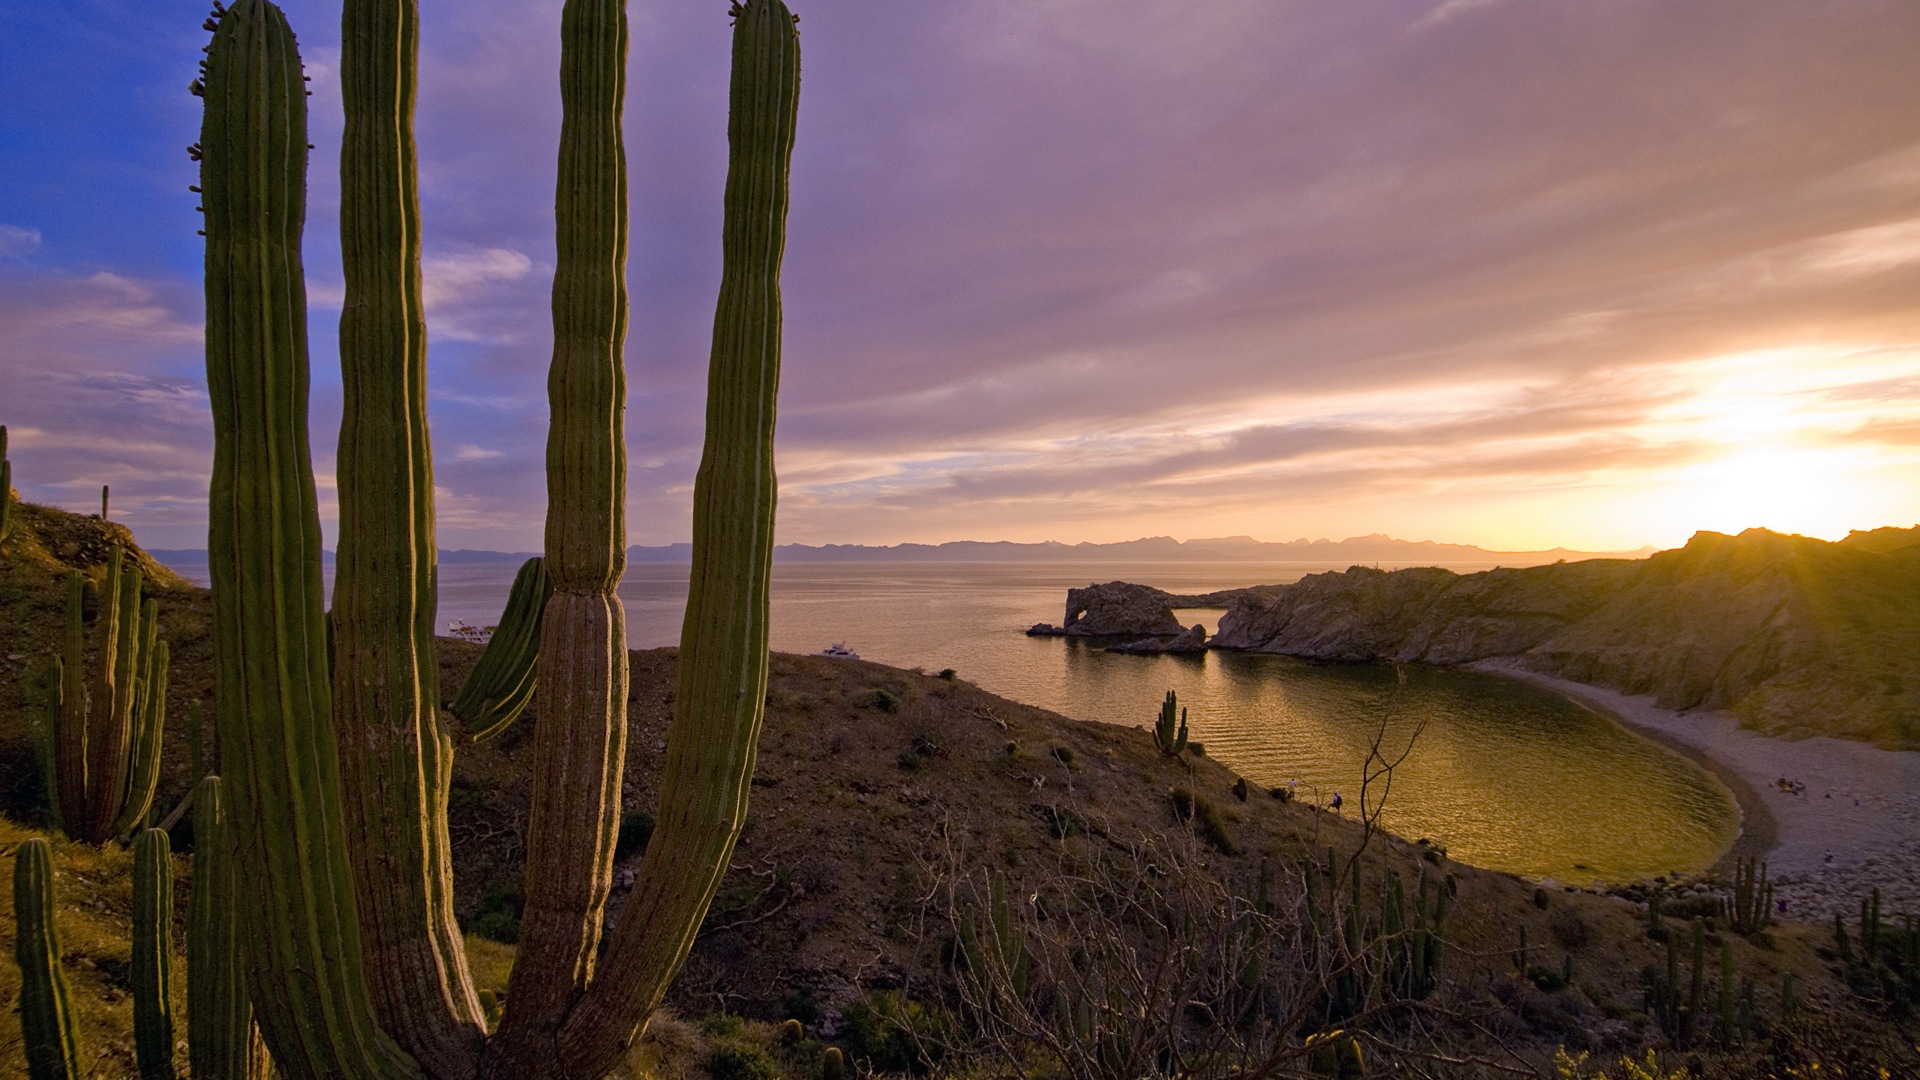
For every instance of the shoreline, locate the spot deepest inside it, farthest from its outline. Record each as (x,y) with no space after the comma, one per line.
(1852,825)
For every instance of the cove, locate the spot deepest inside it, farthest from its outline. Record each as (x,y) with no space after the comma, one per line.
(1509,776)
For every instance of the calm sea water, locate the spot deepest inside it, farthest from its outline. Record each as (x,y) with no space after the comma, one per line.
(1507,775)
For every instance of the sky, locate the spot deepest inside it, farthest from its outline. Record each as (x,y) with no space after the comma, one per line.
(1519,273)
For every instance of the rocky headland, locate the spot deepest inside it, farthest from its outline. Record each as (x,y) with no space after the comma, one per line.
(1794,636)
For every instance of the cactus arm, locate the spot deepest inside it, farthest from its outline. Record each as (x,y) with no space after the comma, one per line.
(153,955)
(396,761)
(721,681)
(272,696)
(47,1028)
(580,752)
(501,684)
(144,776)
(222,1040)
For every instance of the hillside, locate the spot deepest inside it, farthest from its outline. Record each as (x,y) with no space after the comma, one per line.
(885,800)
(1796,636)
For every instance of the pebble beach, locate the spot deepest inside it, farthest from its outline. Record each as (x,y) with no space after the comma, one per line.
(1832,818)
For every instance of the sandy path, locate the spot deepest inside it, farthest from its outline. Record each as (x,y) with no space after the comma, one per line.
(1855,825)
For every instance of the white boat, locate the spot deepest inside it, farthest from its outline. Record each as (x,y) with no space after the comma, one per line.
(466,631)
(839,651)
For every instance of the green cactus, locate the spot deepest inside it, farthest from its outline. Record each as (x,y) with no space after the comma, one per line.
(1752,905)
(340,870)
(48,1032)
(1695,994)
(153,954)
(6,487)
(833,1064)
(1725,1028)
(222,1040)
(273,696)
(1169,731)
(502,681)
(104,726)
(995,948)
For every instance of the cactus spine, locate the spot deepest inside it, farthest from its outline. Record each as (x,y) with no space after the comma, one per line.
(273,699)
(1169,732)
(47,1028)
(105,726)
(502,682)
(153,954)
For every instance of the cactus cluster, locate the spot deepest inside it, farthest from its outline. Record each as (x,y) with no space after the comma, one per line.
(1882,961)
(1682,1017)
(995,946)
(1413,944)
(338,772)
(1750,908)
(230,1052)
(104,724)
(1170,730)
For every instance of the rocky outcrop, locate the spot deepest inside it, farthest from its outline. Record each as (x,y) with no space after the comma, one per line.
(1796,636)
(1119,609)
(1191,642)
(1423,615)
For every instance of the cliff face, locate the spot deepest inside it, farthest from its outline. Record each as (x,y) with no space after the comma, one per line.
(1797,636)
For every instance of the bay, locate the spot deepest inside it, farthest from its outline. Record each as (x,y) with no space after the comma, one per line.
(1507,775)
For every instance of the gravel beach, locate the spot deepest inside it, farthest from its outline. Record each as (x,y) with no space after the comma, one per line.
(1832,818)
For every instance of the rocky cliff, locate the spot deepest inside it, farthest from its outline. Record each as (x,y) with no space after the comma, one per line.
(1796,636)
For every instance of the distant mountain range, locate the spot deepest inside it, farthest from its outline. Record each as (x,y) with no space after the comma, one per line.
(1374,548)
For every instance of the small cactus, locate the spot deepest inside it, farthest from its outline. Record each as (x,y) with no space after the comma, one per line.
(47,1029)
(833,1064)
(105,725)
(153,955)
(6,487)
(1170,731)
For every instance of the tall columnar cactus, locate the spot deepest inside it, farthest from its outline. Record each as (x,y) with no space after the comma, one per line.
(501,683)
(396,758)
(152,967)
(222,1041)
(1751,908)
(104,724)
(273,698)
(320,825)
(722,674)
(1169,732)
(47,1029)
(6,487)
